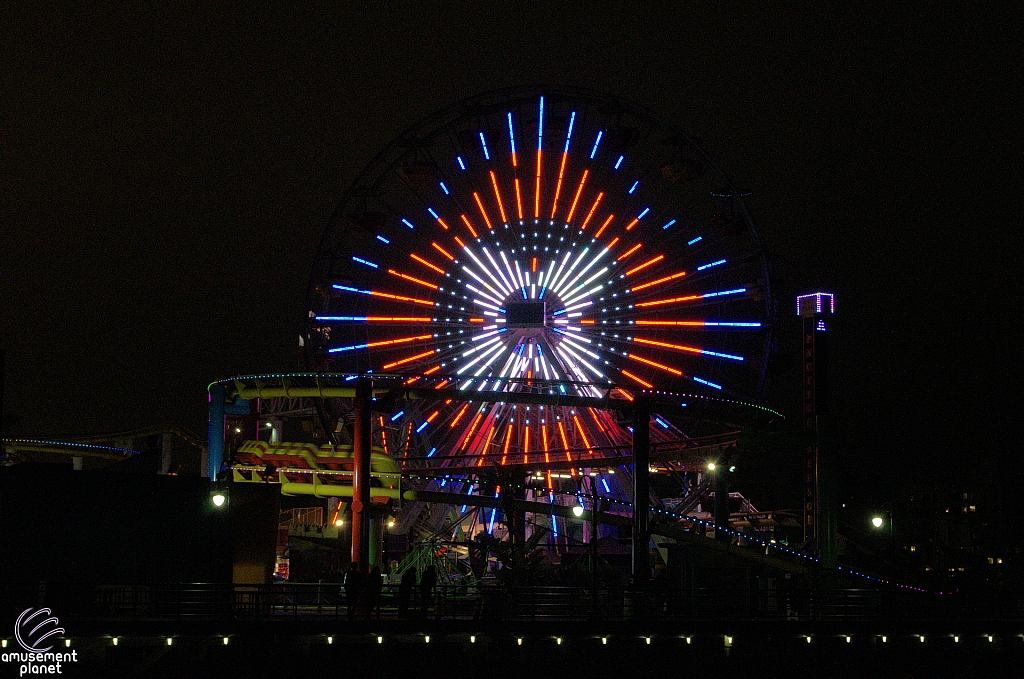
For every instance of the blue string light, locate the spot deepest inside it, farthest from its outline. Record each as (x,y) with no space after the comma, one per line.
(483,143)
(597,141)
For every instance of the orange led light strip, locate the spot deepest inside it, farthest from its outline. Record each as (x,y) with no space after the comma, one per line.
(628,252)
(558,187)
(565,442)
(586,441)
(479,204)
(697,324)
(408,360)
(465,220)
(660,280)
(413,279)
(669,301)
(508,440)
(400,298)
(443,251)
(646,264)
(678,373)
(572,209)
(592,208)
(632,376)
(680,347)
(459,416)
(519,200)
(425,263)
(604,226)
(526,445)
(384,436)
(469,434)
(405,319)
(403,340)
(487,446)
(497,194)
(536,195)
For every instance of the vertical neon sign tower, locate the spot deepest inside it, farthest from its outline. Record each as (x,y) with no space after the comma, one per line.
(815,311)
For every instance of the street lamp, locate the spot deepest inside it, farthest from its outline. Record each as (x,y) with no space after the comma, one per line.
(876,522)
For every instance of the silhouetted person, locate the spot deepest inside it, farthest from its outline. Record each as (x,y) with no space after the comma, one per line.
(406,588)
(427,583)
(374,583)
(353,584)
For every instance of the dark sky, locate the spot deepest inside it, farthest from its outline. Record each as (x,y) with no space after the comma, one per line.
(165,175)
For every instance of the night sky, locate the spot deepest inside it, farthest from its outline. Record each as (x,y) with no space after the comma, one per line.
(165,176)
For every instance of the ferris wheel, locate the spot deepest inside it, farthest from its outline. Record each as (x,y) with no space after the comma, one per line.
(542,240)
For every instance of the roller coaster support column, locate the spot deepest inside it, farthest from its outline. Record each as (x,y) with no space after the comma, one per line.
(361,473)
(641,489)
(375,542)
(215,433)
(721,503)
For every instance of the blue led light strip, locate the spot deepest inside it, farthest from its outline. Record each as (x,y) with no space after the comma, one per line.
(364,261)
(710,264)
(483,143)
(710,384)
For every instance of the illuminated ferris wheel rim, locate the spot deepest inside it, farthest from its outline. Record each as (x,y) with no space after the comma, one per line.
(503,288)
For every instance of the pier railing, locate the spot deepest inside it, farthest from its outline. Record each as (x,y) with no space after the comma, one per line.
(199,601)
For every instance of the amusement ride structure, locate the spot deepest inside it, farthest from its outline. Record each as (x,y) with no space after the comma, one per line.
(526,304)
